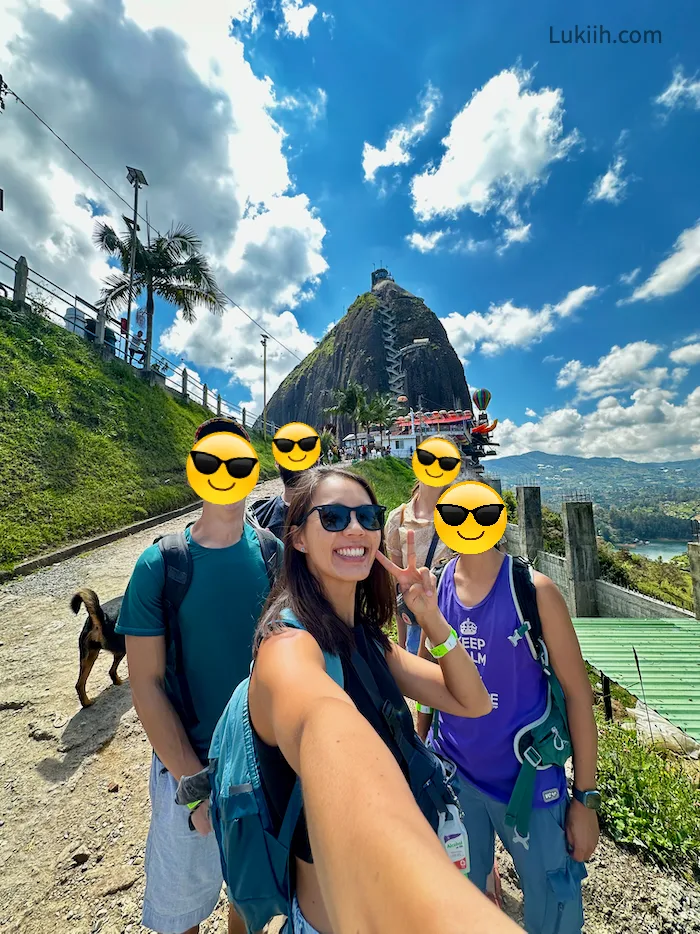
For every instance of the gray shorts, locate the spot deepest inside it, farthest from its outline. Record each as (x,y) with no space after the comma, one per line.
(183,869)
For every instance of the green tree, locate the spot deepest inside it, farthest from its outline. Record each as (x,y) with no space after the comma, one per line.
(172,267)
(348,403)
(386,412)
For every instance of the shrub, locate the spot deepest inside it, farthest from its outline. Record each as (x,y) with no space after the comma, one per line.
(650,804)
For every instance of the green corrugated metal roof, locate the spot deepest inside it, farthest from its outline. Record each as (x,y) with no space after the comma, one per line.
(669,659)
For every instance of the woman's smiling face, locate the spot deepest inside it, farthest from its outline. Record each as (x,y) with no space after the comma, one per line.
(344,556)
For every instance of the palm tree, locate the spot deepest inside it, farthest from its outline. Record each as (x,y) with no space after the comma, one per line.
(386,413)
(171,267)
(347,403)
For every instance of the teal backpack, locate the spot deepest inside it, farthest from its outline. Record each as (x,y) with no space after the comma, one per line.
(254,859)
(546,741)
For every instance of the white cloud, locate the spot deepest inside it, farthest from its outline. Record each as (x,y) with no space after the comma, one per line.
(425,242)
(622,368)
(680,91)
(507,325)
(191,91)
(232,343)
(520,234)
(531,413)
(690,354)
(314,104)
(611,186)
(551,359)
(673,273)
(397,149)
(628,278)
(297,18)
(500,145)
(651,427)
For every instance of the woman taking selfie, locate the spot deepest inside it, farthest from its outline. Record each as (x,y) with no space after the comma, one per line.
(339,586)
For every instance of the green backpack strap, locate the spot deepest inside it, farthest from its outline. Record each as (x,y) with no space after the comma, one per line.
(546,741)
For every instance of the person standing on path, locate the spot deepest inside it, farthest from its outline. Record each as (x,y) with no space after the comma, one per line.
(216,622)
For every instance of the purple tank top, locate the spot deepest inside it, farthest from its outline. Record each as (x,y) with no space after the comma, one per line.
(482,748)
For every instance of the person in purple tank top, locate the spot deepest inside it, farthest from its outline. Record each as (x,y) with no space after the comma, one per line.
(475,597)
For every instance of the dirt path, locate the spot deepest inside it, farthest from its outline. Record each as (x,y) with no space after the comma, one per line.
(71,849)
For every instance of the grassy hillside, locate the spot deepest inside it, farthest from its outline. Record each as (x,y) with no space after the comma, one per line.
(391,479)
(85,445)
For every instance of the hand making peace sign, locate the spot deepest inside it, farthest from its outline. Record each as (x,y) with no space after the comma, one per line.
(416,584)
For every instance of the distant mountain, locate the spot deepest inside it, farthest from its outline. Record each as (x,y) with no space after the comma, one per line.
(608,479)
(369,344)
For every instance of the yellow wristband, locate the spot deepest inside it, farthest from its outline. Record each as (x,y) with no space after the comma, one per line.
(195,804)
(421,708)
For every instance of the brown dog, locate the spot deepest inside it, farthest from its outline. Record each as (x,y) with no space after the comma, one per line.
(98,633)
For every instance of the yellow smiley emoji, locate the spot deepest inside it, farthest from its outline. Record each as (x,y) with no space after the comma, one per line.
(296,446)
(470,517)
(222,468)
(436,462)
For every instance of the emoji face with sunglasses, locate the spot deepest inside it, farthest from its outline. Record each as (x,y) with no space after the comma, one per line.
(470,517)
(296,446)
(222,468)
(436,462)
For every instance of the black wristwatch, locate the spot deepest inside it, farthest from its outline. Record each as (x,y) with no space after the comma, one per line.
(589,799)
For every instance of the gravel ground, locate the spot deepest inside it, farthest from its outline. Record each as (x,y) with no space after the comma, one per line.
(74,807)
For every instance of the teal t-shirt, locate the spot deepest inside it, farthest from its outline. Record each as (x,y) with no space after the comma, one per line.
(217,620)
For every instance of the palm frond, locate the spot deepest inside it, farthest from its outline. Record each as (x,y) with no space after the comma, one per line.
(115,294)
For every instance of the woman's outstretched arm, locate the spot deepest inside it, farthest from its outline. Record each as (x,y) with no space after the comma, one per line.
(381,867)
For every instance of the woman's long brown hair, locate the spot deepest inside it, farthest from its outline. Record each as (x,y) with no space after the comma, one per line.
(299,591)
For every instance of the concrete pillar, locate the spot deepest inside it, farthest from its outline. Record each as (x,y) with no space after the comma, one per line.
(205,396)
(243,414)
(529,520)
(218,404)
(21,275)
(582,564)
(494,483)
(694,558)
(100,327)
(184,383)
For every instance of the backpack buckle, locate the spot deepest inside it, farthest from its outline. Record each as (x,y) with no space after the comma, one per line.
(519,633)
(529,755)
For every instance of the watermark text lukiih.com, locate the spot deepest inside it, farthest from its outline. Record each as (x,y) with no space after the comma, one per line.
(599,35)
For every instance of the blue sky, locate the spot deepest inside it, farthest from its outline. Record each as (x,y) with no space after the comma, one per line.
(542,198)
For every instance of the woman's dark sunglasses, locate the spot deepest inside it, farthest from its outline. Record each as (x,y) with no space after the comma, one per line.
(484,515)
(426,459)
(286,445)
(238,467)
(335,518)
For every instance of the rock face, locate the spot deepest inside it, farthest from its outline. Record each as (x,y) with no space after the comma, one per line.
(365,346)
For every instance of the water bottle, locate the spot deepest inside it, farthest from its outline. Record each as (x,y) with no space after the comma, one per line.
(453,835)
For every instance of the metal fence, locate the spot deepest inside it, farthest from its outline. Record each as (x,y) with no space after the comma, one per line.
(77,315)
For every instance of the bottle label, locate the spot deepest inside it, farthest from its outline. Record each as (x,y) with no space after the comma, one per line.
(454,838)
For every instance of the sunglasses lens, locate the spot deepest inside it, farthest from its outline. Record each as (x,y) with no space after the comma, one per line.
(488,515)
(308,444)
(240,467)
(425,457)
(370,517)
(205,463)
(285,445)
(449,463)
(451,514)
(334,518)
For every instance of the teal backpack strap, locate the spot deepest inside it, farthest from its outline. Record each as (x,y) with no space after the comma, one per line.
(520,804)
(334,666)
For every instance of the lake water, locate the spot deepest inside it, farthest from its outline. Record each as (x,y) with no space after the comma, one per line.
(667,550)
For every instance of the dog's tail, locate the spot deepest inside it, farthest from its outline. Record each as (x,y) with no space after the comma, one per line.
(92,605)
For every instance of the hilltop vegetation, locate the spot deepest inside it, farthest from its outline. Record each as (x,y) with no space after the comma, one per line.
(665,580)
(85,445)
(611,481)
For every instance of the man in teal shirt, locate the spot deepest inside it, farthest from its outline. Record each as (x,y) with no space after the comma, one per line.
(216,621)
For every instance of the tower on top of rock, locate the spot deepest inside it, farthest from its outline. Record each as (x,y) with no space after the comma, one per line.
(379,274)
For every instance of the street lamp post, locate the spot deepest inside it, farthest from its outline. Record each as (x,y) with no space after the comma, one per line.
(136,178)
(263,341)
